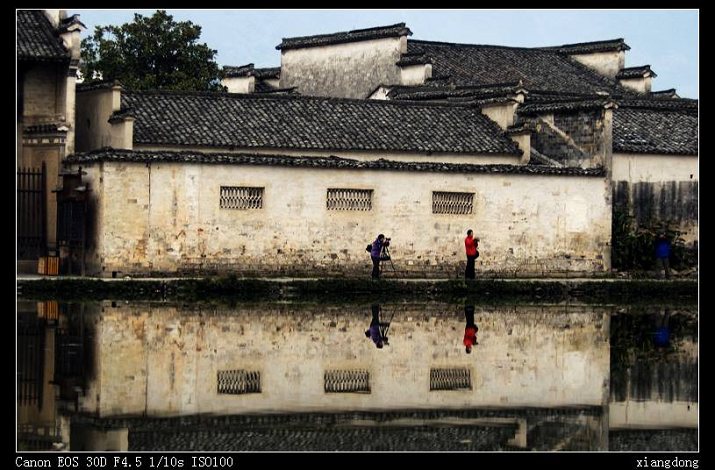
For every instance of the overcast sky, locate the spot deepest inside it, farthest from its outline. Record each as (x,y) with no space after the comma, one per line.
(667,40)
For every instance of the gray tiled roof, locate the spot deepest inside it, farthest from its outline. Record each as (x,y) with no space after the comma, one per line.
(607,45)
(249,70)
(657,126)
(446,91)
(36,39)
(292,122)
(682,104)
(537,68)
(355,35)
(267,72)
(563,106)
(669,93)
(413,59)
(636,72)
(149,156)
(656,131)
(238,71)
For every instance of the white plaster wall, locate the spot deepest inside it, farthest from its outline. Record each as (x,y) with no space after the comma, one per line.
(161,360)
(501,113)
(93,129)
(166,217)
(415,74)
(634,414)
(605,63)
(349,70)
(239,84)
(637,168)
(639,85)
(380,93)
(366,155)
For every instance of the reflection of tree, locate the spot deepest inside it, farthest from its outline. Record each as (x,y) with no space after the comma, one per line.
(637,356)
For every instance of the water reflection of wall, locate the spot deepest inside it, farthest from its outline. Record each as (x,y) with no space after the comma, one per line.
(165,360)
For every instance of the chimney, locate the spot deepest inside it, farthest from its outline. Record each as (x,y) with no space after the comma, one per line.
(239,79)
(638,79)
(605,57)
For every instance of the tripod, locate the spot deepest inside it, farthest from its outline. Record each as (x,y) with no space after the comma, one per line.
(385,327)
(385,256)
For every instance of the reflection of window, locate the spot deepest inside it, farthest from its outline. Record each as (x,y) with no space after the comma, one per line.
(237,197)
(237,382)
(452,203)
(347,381)
(340,199)
(450,379)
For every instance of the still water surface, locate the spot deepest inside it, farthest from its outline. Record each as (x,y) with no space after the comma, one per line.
(295,376)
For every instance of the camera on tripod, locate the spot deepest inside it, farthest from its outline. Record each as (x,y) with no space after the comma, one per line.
(385,252)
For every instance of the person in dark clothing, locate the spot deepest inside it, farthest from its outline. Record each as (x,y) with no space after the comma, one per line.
(471,244)
(470,331)
(662,255)
(378,330)
(375,252)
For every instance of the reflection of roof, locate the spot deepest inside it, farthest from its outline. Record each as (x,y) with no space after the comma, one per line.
(36,39)
(653,439)
(149,156)
(355,35)
(291,121)
(466,430)
(538,68)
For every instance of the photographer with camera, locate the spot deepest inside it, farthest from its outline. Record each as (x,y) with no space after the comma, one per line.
(376,252)
(471,244)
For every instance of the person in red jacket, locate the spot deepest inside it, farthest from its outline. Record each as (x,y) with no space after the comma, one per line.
(471,244)
(470,331)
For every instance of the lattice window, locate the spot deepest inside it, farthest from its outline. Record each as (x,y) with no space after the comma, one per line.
(237,197)
(340,199)
(450,379)
(347,381)
(237,382)
(452,203)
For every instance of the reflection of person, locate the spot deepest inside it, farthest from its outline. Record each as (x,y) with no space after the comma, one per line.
(661,337)
(375,252)
(378,330)
(471,244)
(470,331)
(662,255)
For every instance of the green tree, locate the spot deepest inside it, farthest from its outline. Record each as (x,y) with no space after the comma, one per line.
(151,53)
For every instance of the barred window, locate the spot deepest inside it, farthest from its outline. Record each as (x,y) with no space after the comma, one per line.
(450,379)
(238,382)
(452,203)
(347,381)
(238,197)
(341,199)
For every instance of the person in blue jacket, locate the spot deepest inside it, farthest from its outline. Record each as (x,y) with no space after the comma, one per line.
(375,253)
(662,255)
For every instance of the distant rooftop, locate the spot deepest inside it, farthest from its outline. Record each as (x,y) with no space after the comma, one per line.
(546,69)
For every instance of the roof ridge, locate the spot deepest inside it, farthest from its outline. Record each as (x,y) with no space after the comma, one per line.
(262,96)
(460,44)
(331,161)
(338,37)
